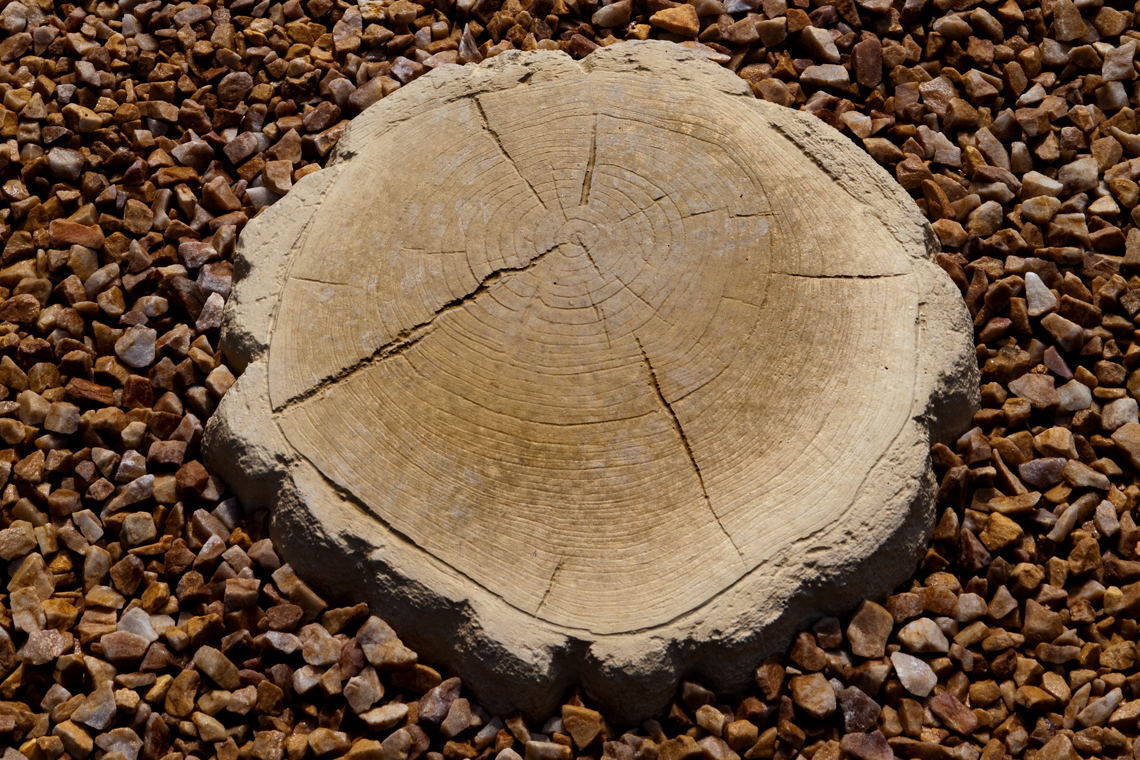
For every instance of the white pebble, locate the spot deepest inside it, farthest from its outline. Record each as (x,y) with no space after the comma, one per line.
(1040,299)
(1119,413)
(137,621)
(914,674)
(1074,396)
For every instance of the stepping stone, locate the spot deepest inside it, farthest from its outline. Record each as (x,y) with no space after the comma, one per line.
(599,372)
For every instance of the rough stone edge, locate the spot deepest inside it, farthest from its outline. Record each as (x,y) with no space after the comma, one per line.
(246,322)
(266,480)
(951,380)
(946,395)
(633,674)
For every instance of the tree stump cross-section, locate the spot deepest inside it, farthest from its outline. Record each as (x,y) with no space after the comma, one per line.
(597,371)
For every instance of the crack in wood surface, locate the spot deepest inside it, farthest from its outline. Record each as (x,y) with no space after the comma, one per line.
(550,585)
(593,263)
(672,414)
(724,210)
(315,280)
(841,276)
(414,334)
(597,308)
(499,142)
(588,180)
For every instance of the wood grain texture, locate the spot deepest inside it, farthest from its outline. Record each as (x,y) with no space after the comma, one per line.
(601,348)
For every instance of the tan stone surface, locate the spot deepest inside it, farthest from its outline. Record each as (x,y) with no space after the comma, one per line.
(585,370)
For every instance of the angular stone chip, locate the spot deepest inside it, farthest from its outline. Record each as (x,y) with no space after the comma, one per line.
(600,372)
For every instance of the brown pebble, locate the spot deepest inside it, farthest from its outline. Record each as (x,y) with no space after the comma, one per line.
(681,20)
(860,712)
(869,629)
(813,694)
(953,713)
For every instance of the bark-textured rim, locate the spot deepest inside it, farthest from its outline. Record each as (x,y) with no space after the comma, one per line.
(599,370)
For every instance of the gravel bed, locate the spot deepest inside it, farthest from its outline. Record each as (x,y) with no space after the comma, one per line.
(147,617)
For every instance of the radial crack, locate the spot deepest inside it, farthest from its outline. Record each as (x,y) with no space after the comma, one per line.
(588,180)
(757,215)
(499,143)
(841,276)
(314,280)
(414,334)
(597,310)
(593,263)
(684,440)
(550,585)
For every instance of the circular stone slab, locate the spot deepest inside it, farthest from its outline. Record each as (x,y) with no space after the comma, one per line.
(601,372)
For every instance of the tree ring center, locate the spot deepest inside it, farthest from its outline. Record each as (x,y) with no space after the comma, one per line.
(576,236)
